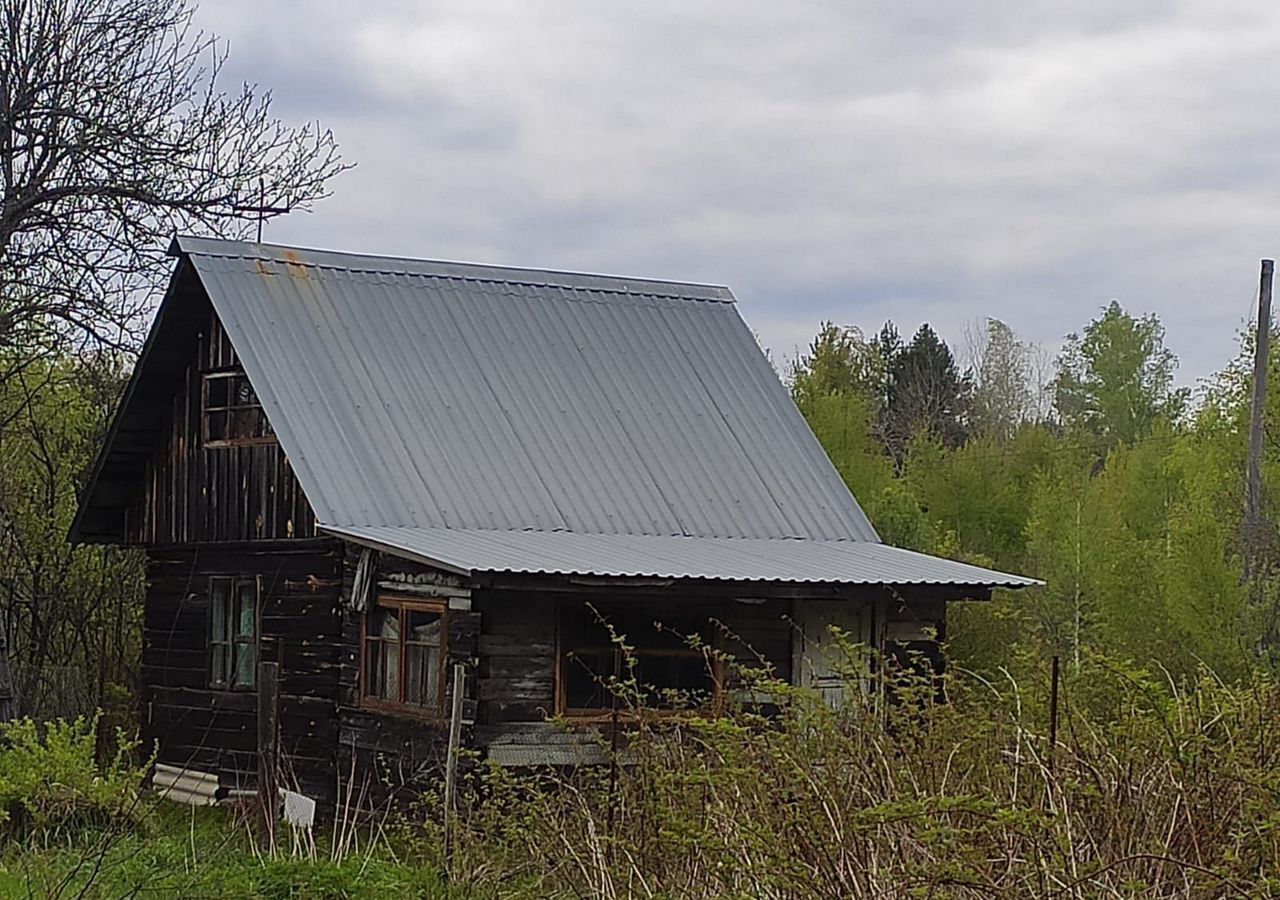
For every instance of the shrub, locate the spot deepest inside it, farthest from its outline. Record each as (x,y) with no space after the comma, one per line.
(51,785)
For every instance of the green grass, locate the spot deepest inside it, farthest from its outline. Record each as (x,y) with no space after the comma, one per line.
(188,853)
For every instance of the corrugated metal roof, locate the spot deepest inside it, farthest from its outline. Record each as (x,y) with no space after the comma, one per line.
(451,396)
(731,559)
(487,419)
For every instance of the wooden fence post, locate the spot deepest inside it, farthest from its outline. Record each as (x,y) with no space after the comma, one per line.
(268,715)
(451,760)
(1053,710)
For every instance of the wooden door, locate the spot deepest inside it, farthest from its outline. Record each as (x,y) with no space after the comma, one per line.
(819,660)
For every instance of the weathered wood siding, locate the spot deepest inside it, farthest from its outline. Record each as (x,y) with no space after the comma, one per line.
(193,493)
(299,626)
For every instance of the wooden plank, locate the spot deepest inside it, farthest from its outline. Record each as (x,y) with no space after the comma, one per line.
(538,689)
(519,667)
(494,645)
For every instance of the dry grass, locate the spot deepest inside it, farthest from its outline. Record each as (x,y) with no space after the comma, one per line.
(1155,790)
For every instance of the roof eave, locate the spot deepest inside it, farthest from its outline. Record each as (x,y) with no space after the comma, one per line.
(643,579)
(75,532)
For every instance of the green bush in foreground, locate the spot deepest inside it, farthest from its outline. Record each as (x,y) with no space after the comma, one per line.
(52,787)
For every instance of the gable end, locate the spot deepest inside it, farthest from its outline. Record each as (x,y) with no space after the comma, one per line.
(171,472)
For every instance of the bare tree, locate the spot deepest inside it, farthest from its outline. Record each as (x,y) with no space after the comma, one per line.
(1005,391)
(114,133)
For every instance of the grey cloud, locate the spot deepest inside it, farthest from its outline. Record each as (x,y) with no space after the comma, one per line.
(851,161)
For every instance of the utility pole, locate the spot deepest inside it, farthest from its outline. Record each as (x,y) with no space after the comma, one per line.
(1254,524)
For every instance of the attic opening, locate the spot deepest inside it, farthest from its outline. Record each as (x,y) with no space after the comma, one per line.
(232,415)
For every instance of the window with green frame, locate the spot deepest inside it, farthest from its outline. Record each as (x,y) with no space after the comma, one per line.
(233,632)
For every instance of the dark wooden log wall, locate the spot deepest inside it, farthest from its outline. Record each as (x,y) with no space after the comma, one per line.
(300,627)
(384,754)
(192,493)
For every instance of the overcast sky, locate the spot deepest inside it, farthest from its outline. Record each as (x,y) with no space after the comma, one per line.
(939,162)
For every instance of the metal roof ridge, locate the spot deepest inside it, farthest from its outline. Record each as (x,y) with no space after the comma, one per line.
(481,273)
(611,534)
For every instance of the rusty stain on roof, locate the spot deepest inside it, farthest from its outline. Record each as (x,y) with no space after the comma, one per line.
(295,265)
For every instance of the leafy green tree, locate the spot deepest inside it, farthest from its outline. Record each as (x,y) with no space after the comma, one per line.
(1223,422)
(72,613)
(1115,380)
(981,492)
(839,361)
(1131,512)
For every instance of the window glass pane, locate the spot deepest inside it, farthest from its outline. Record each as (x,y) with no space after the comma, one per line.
(422,627)
(244,392)
(422,657)
(246,614)
(664,660)
(219,608)
(248,423)
(374,666)
(251,423)
(246,664)
(218,664)
(422,674)
(385,623)
(382,654)
(674,680)
(391,671)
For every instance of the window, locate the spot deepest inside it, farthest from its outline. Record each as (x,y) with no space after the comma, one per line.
(668,670)
(233,632)
(404,654)
(232,414)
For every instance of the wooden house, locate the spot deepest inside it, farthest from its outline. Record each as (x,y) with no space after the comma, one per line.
(368,469)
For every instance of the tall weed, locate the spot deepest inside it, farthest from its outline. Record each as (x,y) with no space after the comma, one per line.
(1156,789)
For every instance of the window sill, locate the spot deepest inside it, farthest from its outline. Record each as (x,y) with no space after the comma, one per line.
(239,442)
(589,717)
(402,711)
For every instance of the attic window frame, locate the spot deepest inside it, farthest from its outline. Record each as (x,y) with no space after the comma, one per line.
(230,409)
